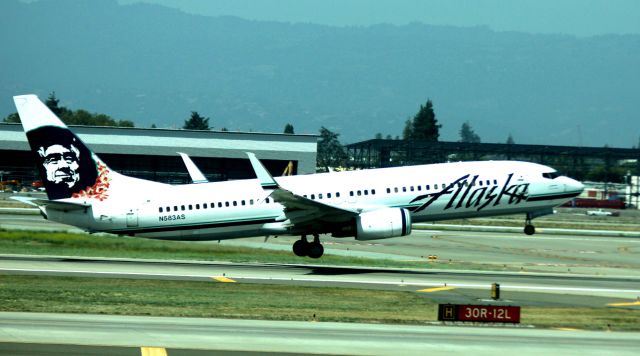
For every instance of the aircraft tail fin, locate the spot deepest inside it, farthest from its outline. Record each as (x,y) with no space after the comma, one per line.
(67,167)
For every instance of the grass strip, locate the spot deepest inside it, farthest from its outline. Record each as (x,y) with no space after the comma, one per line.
(209,299)
(79,244)
(263,301)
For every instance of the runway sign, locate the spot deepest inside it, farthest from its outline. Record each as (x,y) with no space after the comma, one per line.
(479,313)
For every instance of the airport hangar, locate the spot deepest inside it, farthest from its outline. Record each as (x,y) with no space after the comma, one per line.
(152,153)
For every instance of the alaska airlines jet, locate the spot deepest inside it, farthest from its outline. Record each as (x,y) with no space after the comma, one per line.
(367,204)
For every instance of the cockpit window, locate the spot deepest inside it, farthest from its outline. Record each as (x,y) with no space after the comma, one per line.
(550,175)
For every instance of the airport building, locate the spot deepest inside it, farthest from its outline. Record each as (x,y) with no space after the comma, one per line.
(152,153)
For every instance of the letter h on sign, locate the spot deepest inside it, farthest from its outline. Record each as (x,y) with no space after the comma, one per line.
(447,312)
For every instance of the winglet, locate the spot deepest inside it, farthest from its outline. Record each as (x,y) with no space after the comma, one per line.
(195,174)
(265,178)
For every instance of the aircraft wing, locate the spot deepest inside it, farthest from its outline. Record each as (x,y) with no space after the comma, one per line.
(298,209)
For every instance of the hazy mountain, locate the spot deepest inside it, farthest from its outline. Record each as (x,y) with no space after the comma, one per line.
(152,64)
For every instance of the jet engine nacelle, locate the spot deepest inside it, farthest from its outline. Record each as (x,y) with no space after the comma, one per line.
(383,223)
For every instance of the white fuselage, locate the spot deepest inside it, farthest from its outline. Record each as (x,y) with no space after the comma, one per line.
(233,209)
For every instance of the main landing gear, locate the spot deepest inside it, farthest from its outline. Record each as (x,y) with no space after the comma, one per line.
(313,249)
(529,229)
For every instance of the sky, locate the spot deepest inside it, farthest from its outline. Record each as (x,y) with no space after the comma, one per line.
(573,17)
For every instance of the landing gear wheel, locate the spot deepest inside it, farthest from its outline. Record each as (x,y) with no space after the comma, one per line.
(301,247)
(315,250)
(529,229)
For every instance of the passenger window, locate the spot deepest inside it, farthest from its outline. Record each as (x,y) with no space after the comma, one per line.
(488,182)
(190,207)
(160,209)
(251,202)
(243,203)
(404,189)
(182,208)
(197,206)
(305,195)
(337,194)
(351,193)
(175,208)
(359,192)
(226,204)
(319,195)
(168,209)
(411,188)
(219,204)
(388,190)
(427,187)
(373,192)
(419,188)
(267,200)
(328,195)
(495,181)
(235,203)
(313,197)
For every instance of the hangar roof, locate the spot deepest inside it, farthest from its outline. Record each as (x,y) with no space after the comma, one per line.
(166,142)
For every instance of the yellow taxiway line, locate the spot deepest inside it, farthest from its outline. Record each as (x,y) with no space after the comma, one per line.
(436,289)
(626,304)
(223,279)
(153,351)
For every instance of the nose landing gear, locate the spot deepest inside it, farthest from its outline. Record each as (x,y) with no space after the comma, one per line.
(313,249)
(529,229)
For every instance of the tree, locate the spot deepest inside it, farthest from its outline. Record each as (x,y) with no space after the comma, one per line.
(510,140)
(288,129)
(83,117)
(467,134)
(12,118)
(78,117)
(378,136)
(330,152)
(196,122)
(125,123)
(407,132)
(425,125)
(53,104)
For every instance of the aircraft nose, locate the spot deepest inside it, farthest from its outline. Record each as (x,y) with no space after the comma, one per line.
(573,186)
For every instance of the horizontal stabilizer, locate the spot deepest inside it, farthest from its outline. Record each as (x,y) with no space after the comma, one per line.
(25,200)
(60,205)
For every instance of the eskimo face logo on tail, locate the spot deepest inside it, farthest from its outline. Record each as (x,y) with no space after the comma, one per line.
(66,165)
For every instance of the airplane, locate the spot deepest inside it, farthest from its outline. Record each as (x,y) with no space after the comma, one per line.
(365,204)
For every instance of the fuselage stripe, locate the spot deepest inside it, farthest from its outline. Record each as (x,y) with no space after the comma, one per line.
(192,226)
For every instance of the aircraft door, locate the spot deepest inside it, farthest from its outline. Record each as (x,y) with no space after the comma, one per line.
(132,218)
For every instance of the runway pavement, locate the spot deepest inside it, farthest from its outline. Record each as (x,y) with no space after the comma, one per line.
(551,270)
(578,253)
(62,333)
